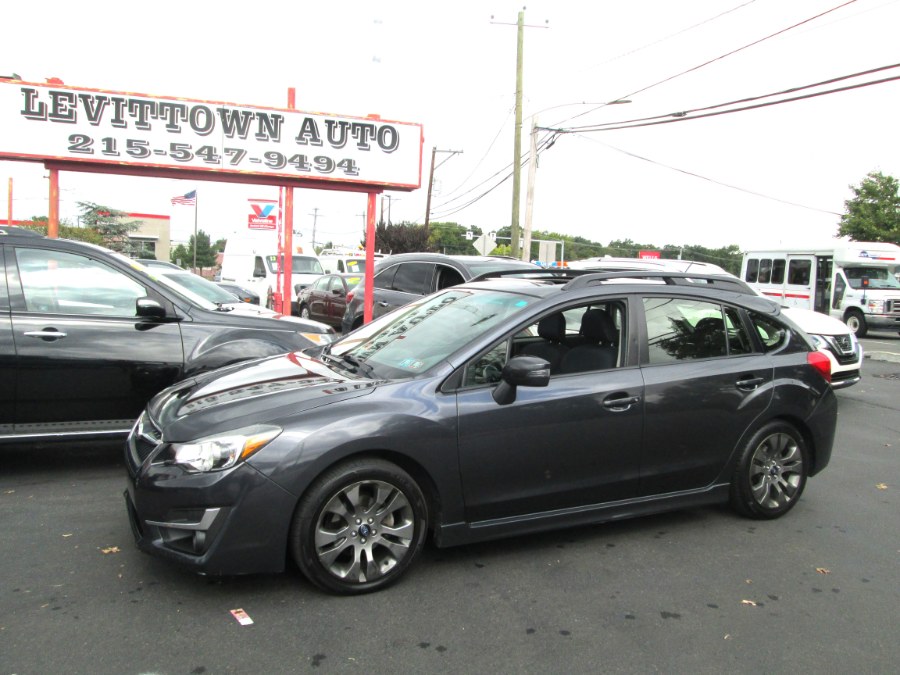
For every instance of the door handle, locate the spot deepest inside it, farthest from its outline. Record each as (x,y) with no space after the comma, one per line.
(621,403)
(47,335)
(382,303)
(749,383)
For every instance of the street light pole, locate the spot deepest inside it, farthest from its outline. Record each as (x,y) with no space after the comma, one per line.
(529,191)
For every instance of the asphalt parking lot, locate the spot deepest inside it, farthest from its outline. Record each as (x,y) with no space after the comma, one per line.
(701,591)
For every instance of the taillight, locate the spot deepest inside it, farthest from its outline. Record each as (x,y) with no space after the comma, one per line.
(349,296)
(820,362)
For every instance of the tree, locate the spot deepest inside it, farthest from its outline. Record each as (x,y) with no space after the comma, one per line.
(110,224)
(66,230)
(450,238)
(181,257)
(873,214)
(206,252)
(401,238)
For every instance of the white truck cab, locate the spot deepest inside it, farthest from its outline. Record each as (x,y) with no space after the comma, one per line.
(852,281)
(254,264)
(340,261)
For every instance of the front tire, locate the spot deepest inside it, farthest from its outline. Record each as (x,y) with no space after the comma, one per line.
(359,527)
(304,312)
(771,472)
(856,322)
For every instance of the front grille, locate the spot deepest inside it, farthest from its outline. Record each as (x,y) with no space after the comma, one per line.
(844,343)
(143,440)
(892,307)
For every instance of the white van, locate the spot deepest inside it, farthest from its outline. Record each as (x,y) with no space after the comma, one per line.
(832,337)
(255,266)
(851,281)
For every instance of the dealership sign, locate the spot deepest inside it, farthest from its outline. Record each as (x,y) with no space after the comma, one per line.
(44,122)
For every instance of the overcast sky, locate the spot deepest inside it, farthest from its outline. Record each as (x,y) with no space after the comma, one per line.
(451,68)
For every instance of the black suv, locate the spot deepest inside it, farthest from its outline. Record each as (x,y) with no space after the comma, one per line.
(87,336)
(489,409)
(402,278)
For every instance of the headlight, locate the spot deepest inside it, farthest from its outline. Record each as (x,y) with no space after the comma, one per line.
(876,306)
(819,341)
(222,451)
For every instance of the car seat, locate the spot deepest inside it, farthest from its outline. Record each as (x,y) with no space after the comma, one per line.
(553,331)
(600,348)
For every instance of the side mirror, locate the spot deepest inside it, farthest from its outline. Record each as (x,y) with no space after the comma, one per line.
(521,371)
(864,282)
(146,308)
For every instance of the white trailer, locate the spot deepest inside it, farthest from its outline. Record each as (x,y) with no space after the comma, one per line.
(851,281)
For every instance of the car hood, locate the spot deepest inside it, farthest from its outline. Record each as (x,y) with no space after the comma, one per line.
(815,323)
(258,391)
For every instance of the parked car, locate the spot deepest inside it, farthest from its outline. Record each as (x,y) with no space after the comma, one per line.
(153,262)
(489,409)
(87,336)
(402,278)
(182,280)
(325,299)
(242,294)
(831,336)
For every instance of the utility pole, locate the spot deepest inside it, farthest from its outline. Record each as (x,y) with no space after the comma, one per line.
(434,152)
(517,149)
(390,199)
(315,215)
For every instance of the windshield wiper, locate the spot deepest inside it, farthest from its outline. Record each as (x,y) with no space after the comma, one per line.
(357,364)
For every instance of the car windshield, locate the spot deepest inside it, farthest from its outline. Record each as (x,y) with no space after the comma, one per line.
(415,337)
(879,277)
(300,264)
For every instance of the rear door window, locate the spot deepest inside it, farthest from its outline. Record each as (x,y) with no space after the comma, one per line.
(679,329)
(413,278)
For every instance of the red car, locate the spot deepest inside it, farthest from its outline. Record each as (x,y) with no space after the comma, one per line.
(326,298)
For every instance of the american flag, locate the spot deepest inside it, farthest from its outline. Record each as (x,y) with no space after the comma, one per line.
(190,199)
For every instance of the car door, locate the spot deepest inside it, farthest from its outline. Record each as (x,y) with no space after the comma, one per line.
(336,302)
(318,298)
(704,384)
(564,446)
(86,362)
(7,358)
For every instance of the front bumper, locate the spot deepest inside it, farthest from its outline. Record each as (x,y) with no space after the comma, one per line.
(888,322)
(235,521)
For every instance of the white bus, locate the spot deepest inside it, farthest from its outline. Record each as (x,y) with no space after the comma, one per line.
(851,281)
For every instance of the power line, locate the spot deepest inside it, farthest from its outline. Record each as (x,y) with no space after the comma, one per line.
(683,116)
(718,58)
(670,36)
(711,180)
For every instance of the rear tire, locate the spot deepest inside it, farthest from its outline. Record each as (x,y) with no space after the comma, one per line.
(359,527)
(771,473)
(856,322)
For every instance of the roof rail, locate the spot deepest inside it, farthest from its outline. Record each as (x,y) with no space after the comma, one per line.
(719,281)
(551,274)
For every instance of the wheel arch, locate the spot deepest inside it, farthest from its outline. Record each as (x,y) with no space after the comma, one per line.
(796,422)
(422,477)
